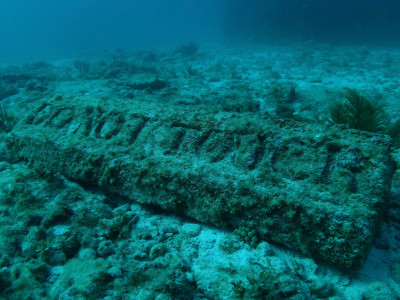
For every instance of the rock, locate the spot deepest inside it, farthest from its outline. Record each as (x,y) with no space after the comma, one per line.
(378,290)
(395,271)
(190,229)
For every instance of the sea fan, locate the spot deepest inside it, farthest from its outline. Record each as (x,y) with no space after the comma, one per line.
(338,113)
(358,113)
(362,113)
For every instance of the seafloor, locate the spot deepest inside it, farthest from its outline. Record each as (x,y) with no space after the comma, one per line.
(64,236)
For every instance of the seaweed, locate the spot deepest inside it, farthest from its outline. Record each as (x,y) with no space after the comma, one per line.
(358,113)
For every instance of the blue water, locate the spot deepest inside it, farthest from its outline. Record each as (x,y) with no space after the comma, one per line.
(38,28)
(43,27)
(334,21)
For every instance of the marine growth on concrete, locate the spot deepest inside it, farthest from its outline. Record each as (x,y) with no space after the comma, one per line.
(318,190)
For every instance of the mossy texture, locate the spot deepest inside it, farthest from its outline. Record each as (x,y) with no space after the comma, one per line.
(317,190)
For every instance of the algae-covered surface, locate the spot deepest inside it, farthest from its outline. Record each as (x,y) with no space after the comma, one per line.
(214,175)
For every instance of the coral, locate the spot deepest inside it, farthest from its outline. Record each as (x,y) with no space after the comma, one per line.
(247,235)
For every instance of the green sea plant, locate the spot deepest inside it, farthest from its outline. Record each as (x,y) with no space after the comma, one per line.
(357,112)
(338,113)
